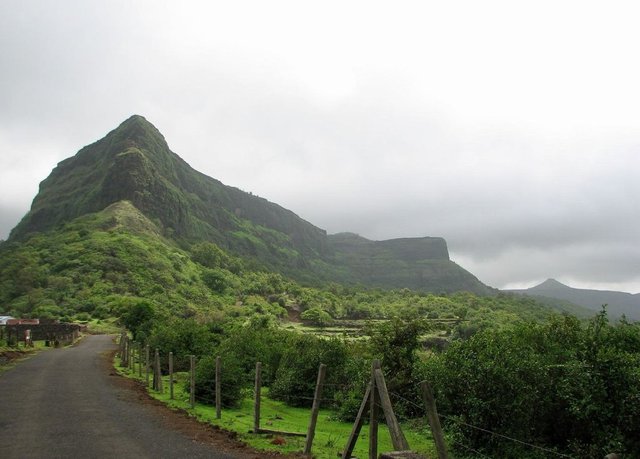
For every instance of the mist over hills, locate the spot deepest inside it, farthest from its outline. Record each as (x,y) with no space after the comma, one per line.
(618,303)
(134,163)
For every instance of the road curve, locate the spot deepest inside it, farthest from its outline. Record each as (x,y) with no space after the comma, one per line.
(63,403)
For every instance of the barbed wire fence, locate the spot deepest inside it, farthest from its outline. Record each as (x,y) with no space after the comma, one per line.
(376,399)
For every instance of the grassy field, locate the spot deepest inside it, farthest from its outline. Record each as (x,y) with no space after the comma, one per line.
(330,438)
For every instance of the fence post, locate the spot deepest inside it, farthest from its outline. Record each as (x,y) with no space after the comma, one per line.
(140,360)
(315,408)
(130,354)
(120,347)
(397,437)
(434,420)
(256,402)
(373,412)
(147,363)
(357,425)
(218,388)
(158,372)
(171,375)
(123,350)
(192,382)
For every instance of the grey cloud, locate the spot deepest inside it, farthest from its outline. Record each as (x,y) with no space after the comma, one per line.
(515,205)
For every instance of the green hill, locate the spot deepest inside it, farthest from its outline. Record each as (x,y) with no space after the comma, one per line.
(618,303)
(134,163)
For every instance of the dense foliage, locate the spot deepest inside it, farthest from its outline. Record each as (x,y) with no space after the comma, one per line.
(504,363)
(568,386)
(102,265)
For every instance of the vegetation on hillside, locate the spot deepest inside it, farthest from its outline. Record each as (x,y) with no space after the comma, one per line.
(503,363)
(128,232)
(101,265)
(134,164)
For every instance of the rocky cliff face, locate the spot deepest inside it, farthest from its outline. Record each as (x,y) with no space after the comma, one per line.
(134,163)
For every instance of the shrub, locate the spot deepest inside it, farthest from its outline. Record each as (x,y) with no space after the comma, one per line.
(297,373)
(558,384)
(231,381)
(183,337)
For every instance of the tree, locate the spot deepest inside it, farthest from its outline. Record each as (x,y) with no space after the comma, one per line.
(396,342)
(139,319)
(317,316)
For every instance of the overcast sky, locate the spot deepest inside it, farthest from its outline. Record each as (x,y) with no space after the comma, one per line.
(511,129)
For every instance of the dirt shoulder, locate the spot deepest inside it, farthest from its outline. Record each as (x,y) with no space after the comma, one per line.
(188,425)
(9,356)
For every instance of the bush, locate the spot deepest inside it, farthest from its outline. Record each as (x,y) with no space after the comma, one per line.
(231,381)
(256,342)
(297,373)
(183,337)
(317,316)
(558,384)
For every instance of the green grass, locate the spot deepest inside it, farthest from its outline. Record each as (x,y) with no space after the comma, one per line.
(108,326)
(330,437)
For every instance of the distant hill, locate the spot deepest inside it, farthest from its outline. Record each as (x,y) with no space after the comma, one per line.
(133,163)
(416,263)
(618,303)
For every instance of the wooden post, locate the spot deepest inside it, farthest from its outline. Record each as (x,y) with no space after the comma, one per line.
(373,413)
(397,437)
(129,354)
(158,372)
(147,363)
(121,346)
(218,388)
(192,382)
(434,420)
(315,408)
(256,402)
(123,351)
(171,375)
(357,426)
(140,360)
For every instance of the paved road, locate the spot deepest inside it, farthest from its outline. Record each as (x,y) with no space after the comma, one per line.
(62,403)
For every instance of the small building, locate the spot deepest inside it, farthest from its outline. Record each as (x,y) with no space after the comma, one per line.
(13,321)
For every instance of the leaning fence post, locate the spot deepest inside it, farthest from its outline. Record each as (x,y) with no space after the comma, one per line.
(192,382)
(171,375)
(218,389)
(256,402)
(434,420)
(397,437)
(315,408)
(357,425)
(373,412)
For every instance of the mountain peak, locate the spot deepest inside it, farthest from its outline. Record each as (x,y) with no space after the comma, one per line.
(141,185)
(138,130)
(551,284)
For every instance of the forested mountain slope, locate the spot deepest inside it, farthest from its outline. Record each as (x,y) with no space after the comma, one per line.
(133,163)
